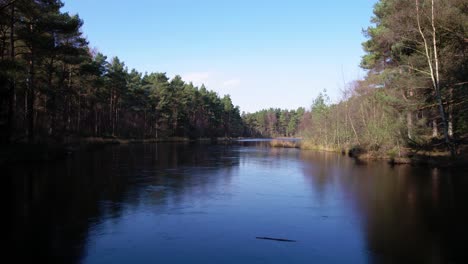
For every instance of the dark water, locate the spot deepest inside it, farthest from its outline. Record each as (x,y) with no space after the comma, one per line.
(193,203)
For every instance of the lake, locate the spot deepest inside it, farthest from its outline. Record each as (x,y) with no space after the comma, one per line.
(208,203)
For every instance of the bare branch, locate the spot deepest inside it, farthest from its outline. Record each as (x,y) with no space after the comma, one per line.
(434,42)
(7,4)
(416,69)
(426,46)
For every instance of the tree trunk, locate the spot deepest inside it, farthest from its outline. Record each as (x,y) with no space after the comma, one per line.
(11,92)
(31,99)
(78,118)
(354,129)
(450,114)
(435,130)
(432,57)
(111,110)
(68,104)
(409,124)
(95,121)
(52,102)
(116,118)
(144,124)
(450,124)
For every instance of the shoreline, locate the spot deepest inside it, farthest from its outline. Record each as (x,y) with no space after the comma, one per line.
(408,157)
(52,150)
(49,151)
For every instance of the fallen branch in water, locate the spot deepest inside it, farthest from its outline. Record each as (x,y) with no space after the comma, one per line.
(276,239)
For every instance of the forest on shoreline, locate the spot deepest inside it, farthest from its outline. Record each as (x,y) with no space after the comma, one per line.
(53,85)
(415,94)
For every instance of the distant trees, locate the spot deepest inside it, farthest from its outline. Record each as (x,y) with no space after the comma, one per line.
(273,122)
(52,85)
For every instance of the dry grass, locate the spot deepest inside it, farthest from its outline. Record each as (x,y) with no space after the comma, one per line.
(284,144)
(308,145)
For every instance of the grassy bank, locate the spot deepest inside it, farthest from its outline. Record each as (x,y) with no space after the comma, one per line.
(278,143)
(305,145)
(432,157)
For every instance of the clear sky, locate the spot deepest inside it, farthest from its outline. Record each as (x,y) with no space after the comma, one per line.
(263,53)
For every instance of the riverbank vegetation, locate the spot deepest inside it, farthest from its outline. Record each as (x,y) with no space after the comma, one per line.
(283,143)
(54,86)
(415,95)
(414,99)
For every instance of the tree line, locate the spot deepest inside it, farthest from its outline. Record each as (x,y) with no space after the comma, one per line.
(415,92)
(53,85)
(273,122)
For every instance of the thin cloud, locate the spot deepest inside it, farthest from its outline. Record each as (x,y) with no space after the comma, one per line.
(231,83)
(198,78)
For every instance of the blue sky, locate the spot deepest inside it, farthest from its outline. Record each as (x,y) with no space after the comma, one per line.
(263,53)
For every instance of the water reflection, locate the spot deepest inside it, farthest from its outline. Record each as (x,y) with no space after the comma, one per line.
(179,203)
(408,214)
(53,206)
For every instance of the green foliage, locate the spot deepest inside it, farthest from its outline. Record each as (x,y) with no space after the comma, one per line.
(415,88)
(366,119)
(65,89)
(273,122)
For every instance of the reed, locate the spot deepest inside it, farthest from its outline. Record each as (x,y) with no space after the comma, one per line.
(284,144)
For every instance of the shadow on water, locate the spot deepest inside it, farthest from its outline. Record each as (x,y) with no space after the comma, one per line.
(408,214)
(54,206)
(136,203)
